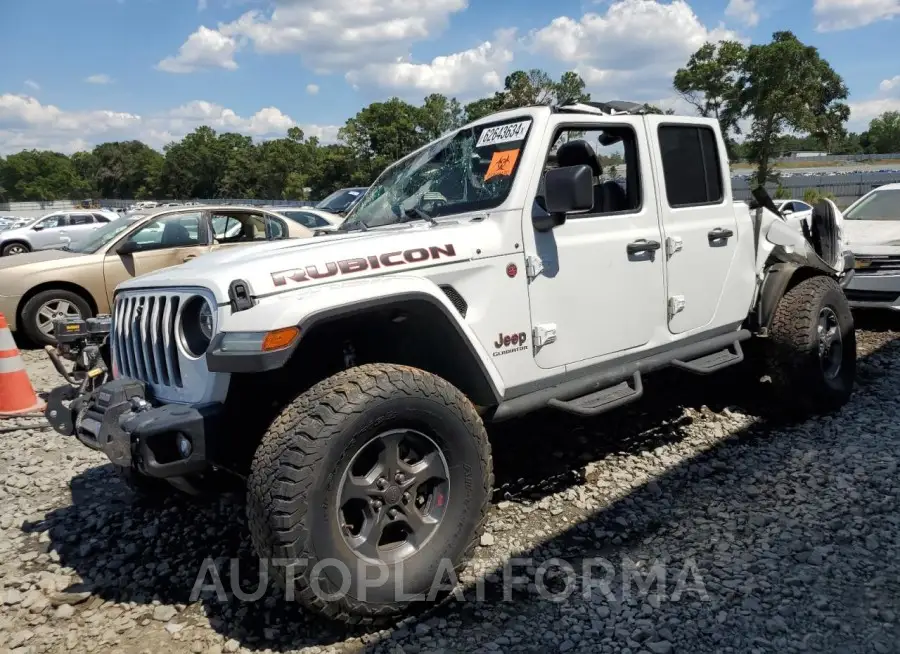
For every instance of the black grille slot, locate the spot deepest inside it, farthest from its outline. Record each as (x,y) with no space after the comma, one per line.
(456,299)
(870,296)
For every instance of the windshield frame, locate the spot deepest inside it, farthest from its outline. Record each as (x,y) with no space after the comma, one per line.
(867,198)
(436,146)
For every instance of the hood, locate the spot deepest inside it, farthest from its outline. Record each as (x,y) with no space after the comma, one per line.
(299,263)
(20,261)
(867,233)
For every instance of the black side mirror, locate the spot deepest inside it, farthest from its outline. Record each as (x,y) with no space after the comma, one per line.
(37,228)
(566,190)
(128,247)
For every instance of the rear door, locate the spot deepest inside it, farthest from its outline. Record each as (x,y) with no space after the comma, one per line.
(77,226)
(699,223)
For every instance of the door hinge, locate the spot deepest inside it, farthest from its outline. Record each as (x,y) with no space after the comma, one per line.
(673,245)
(676,305)
(533,266)
(543,334)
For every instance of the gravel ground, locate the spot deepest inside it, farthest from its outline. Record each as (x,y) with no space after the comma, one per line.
(714,529)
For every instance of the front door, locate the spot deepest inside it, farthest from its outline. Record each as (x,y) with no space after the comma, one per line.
(699,221)
(47,233)
(601,284)
(170,240)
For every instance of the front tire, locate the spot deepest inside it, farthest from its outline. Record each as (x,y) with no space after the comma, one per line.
(39,312)
(348,481)
(15,248)
(812,347)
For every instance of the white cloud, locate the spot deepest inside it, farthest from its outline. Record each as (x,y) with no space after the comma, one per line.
(890,84)
(834,15)
(312,89)
(26,123)
(328,35)
(34,86)
(633,50)
(479,69)
(743,11)
(205,48)
(99,78)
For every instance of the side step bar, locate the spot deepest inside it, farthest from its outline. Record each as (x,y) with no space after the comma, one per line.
(710,363)
(603,400)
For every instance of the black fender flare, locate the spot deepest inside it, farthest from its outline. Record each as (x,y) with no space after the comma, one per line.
(219,361)
(776,283)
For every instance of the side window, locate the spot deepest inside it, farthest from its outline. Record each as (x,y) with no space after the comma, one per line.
(308,220)
(611,152)
(100,218)
(690,159)
(238,227)
(80,219)
(56,220)
(178,230)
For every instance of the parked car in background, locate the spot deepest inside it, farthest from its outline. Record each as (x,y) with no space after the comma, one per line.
(872,232)
(36,288)
(342,200)
(315,219)
(52,231)
(795,212)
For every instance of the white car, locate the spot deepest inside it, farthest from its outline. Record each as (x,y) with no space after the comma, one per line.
(346,381)
(315,219)
(872,232)
(53,231)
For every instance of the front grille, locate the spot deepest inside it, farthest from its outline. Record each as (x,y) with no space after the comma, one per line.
(143,338)
(870,296)
(874,265)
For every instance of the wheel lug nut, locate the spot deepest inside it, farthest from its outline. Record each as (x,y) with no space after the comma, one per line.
(405,498)
(399,478)
(381,483)
(392,514)
(376,504)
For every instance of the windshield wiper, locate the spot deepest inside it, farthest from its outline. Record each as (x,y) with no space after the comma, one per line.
(415,213)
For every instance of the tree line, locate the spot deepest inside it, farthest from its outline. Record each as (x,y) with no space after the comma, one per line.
(769,98)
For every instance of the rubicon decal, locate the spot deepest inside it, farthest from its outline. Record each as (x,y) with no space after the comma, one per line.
(509,343)
(361,264)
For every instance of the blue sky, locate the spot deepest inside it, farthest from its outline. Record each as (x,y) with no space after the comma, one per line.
(79,72)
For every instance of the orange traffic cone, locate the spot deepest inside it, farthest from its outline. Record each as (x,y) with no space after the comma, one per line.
(17,397)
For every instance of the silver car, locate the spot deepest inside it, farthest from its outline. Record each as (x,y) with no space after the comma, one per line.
(53,231)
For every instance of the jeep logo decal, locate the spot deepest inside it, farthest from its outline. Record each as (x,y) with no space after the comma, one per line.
(512,343)
(359,264)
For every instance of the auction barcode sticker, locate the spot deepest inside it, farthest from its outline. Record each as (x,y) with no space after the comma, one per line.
(503,133)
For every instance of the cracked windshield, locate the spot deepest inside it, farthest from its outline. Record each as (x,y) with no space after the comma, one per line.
(469,170)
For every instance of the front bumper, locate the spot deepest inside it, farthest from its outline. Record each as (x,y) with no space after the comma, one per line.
(119,420)
(9,305)
(866,291)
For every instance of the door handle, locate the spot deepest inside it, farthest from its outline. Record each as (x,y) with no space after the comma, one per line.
(718,233)
(188,257)
(642,245)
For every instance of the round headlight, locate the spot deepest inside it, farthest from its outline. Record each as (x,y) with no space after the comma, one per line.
(196,326)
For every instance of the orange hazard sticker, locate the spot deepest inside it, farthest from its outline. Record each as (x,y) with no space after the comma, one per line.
(502,163)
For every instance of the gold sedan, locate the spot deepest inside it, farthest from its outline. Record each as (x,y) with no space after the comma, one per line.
(36,288)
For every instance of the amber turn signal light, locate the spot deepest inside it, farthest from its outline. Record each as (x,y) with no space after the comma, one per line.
(279,338)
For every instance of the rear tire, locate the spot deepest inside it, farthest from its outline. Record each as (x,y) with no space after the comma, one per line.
(304,497)
(812,347)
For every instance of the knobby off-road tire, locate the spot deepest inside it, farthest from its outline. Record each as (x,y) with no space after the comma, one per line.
(806,379)
(299,468)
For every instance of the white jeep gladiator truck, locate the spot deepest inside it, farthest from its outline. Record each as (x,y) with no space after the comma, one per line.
(345,380)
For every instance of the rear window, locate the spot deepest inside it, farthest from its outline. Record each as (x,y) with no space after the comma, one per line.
(691,165)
